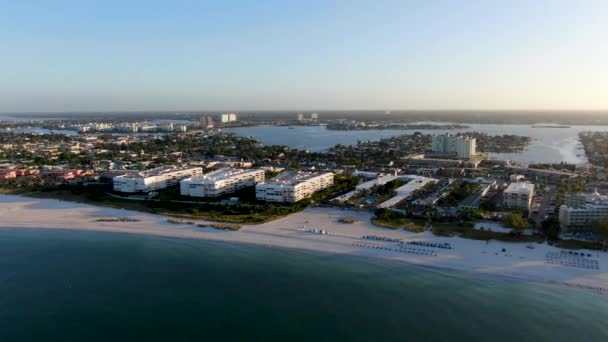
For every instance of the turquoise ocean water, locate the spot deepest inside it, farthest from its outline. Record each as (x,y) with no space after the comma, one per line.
(85,286)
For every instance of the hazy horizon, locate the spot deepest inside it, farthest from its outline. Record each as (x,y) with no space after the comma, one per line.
(320,110)
(183,56)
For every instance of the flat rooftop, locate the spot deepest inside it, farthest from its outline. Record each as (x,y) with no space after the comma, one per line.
(224,173)
(294,177)
(520,188)
(405,191)
(158,171)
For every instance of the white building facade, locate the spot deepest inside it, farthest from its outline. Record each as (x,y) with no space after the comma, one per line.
(291,187)
(579,211)
(220,182)
(228,117)
(519,195)
(461,147)
(152,180)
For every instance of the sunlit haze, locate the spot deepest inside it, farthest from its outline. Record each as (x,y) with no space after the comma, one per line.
(272,55)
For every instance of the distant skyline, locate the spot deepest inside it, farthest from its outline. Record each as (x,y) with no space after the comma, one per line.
(58,56)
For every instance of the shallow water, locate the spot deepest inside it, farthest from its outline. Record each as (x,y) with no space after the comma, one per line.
(66,285)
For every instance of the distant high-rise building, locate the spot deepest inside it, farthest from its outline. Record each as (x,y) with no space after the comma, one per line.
(300,117)
(462,147)
(314,117)
(206,121)
(229,117)
(466,147)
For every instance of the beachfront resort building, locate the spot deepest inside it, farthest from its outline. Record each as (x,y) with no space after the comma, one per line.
(519,195)
(220,182)
(579,211)
(459,146)
(154,179)
(291,187)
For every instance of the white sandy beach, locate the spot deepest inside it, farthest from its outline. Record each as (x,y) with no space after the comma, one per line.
(540,263)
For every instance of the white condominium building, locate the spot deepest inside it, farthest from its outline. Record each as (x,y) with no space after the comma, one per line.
(229,117)
(462,147)
(580,210)
(152,180)
(519,195)
(291,187)
(220,182)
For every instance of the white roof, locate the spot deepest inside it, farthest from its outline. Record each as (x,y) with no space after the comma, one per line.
(381,180)
(159,171)
(224,173)
(405,191)
(293,178)
(520,188)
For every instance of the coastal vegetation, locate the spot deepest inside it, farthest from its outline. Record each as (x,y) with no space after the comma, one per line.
(247,211)
(459,190)
(506,143)
(221,226)
(396,151)
(595,145)
(387,218)
(515,220)
(579,244)
(386,191)
(466,230)
(357,126)
(117,219)
(553,166)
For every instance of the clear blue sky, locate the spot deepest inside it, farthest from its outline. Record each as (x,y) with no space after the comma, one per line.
(237,55)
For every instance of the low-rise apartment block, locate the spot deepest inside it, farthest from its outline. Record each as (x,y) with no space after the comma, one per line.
(579,211)
(219,182)
(291,187)
(154,179)
(519,195)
